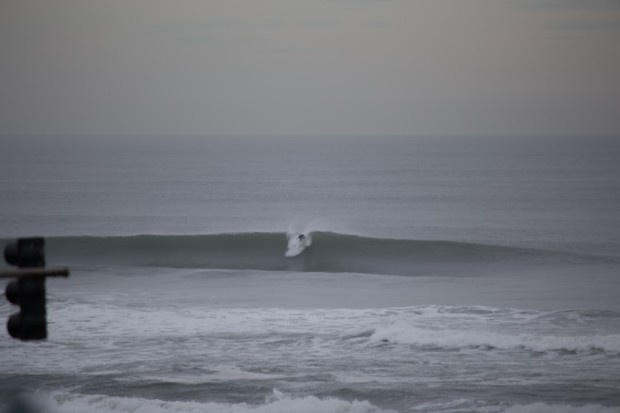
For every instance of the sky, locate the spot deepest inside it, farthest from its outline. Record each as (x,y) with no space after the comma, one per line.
(309,67)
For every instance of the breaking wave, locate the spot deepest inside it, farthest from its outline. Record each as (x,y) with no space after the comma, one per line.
(561,408)
(278,402)
(464,339)
(330,252)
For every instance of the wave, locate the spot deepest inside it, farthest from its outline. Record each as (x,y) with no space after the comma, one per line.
(432,328)
(442,328)
(398,333)
(478,405)
(330,252)
(467,405)
(561,408)
(278,402)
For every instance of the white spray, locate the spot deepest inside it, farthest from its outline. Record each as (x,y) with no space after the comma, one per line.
(299,235)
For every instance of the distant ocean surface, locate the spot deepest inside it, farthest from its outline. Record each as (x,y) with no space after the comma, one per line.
(445,274)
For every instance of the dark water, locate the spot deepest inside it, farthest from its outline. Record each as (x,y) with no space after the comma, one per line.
(558,193)
(444,275)
(330,252)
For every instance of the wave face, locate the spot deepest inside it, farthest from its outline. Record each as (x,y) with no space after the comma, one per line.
(330,252)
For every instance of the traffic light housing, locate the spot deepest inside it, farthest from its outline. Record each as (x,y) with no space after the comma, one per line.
(30,323)
(27,291)
(28,288)
(25,252)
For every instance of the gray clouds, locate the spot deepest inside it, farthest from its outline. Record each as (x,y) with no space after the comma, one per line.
(308,67)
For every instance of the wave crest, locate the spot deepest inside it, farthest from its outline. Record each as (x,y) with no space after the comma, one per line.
(278,402)
(330,252)
(464,339)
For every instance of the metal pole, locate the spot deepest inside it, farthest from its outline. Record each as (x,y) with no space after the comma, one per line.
(36,272)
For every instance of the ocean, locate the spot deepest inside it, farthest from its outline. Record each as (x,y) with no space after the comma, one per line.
(445,274)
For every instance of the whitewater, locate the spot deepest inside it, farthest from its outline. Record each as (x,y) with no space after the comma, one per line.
(441,274)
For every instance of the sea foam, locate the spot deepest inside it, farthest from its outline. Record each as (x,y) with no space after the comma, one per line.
(560,408)
(462,339)
(278,402)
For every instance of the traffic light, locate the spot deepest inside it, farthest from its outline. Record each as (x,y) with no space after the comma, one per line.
(30,323)
(28,290)
(25,252)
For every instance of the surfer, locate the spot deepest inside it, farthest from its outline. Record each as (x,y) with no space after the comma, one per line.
(297,244)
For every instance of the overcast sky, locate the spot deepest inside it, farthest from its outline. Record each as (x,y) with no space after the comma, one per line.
(212,67)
